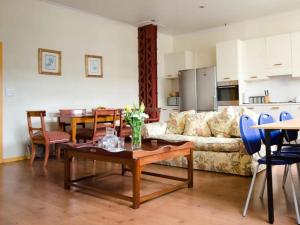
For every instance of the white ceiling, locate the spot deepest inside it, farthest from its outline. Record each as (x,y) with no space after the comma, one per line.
(182,16)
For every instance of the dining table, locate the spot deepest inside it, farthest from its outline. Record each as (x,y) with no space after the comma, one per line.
(76,119)
(293,124)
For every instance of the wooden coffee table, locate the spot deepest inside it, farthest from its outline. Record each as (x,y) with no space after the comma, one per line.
(152,150)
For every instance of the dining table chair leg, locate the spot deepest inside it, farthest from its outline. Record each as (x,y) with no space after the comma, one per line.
(262,191)
(298,170)
(250,191)
(294,194)
(47,152)
(58,151)
(33,149)
(284,175)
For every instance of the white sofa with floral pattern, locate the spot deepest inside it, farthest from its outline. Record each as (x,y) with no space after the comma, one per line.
(217,148)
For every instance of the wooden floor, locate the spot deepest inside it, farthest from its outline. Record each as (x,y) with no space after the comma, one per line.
(32,196)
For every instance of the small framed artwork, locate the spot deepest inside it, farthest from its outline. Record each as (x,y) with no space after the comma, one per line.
(93,66)
(49,62)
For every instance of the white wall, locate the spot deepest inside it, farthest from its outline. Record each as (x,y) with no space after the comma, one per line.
(203,43)
(25,26)
(164,45)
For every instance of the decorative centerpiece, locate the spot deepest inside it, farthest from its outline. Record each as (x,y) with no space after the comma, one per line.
(134,116)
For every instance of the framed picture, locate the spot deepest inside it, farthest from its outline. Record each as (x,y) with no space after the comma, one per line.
(93,66)
(49,62)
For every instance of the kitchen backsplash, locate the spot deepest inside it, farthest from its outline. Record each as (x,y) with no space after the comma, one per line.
(281,88)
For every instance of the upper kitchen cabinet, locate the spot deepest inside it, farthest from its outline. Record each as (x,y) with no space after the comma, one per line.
(228,60)
(177,61)
(295,40)
(253,59)
(279,55)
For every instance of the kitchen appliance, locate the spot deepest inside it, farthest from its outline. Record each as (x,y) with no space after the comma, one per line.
(257,99)
(197,89)
(173,101)
(228,93)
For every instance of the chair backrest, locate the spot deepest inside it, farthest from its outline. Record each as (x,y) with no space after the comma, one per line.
(275,135)
(98,113)
(42,128)
(66,112)
(125,130)
(289,135)
(154,114)
(249,135)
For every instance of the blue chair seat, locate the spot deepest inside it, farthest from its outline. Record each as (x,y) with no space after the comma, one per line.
(276,162)
(291,150)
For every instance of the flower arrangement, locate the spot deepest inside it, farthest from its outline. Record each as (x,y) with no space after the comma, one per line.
(135,116)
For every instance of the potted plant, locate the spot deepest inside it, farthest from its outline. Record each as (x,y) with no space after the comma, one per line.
(135,116)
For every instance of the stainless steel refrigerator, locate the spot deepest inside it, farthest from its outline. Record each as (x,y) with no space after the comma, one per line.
(198,89)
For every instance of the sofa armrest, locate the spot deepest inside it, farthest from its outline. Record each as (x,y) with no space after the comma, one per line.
(153,129)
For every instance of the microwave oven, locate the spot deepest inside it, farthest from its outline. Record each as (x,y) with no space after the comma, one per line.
(228,93)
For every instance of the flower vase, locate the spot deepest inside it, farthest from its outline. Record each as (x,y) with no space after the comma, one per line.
(136,139)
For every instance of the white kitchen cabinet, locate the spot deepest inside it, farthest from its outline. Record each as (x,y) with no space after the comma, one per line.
(228,56)
(294,110)
(253,59)
(165,112)
(295,40)
(177,61)
(279,54)
(273,110)
(257,108)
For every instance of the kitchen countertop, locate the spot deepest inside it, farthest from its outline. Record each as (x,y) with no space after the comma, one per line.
(270,104)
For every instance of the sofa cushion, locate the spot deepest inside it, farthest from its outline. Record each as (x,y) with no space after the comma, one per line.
(213,144)
(234,130)
(196,125)
(157,128)
(220,124)
(176,122)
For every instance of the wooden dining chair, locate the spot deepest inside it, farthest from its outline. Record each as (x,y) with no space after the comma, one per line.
(99,128)
(154,114)
(64,122)
(39,135)
(124,129)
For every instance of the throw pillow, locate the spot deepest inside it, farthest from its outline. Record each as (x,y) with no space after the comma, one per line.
(176,122)
(235,123)
(196,125)
(220,124)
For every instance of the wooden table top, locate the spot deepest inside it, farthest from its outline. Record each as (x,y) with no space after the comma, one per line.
(88,114)
(293,124)
(149,147)
(79,115)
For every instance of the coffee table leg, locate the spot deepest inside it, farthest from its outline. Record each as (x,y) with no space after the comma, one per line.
(190,169)
(67,171)
(136,179)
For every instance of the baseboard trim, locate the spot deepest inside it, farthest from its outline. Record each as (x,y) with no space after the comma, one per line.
(14,159)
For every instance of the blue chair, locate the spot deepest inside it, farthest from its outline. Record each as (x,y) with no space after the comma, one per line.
(289,135)
(276,136)
(252,141)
